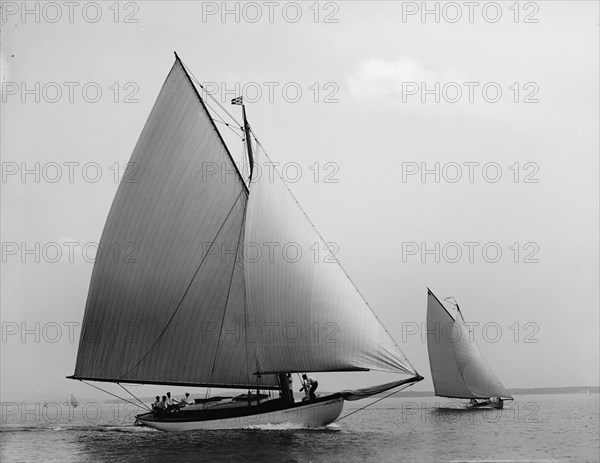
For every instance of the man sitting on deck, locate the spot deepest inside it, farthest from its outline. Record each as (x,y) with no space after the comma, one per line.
(309,385)
(156,406)
(160,405)
(186,400)
(171,403)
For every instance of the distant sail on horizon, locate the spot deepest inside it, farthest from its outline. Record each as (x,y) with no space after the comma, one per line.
(458,368)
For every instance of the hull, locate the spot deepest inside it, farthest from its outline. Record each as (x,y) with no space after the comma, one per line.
(488,404)
(313,414)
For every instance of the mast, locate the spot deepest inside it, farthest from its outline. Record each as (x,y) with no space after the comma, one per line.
(284,387)
(248,141)
(240,101)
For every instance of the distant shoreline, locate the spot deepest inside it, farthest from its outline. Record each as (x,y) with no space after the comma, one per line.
(401,394)
(515,391)
(518,391)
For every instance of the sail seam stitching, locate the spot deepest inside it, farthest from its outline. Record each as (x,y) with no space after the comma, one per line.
(414,371)
(237,250)
(191,79)
(186,291)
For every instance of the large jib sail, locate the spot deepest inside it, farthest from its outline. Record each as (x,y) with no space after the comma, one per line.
(308,314)
(173,309)
(458,368)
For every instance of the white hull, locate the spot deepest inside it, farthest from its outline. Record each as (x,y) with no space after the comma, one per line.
(311,415)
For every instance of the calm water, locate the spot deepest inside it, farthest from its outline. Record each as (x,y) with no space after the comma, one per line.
(535,428)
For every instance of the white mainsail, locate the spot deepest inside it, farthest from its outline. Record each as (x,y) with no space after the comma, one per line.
(189,306)
(458,368)
(173,310)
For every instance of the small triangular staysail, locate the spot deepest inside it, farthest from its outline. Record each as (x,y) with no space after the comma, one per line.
(171,307)
(458,368)
(308,314)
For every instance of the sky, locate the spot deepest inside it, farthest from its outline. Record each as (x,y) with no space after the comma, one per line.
(451,148)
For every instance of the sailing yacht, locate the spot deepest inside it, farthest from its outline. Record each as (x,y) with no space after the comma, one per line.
(458,369)
(196,308)
(74,402)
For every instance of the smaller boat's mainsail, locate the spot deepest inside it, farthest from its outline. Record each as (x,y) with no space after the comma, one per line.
(458,368)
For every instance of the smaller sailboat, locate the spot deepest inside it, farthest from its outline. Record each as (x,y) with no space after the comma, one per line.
(74,402)
(458,368)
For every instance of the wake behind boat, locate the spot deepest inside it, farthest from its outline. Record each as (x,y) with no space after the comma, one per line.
(458,369)
(194,308)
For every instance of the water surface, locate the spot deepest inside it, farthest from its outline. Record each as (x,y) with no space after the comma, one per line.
(538,428)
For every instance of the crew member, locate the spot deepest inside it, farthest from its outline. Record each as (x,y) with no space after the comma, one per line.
(309,384)
(186,400)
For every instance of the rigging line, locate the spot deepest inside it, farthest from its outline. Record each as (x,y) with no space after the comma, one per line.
(243,153)
(246,328)
(414,371)
(110,393)
(237,251)
(216,113)
(146,406)
(217,102)
(447,299)
(230,127)
(221,121)
(373,403)
(217,118)
(442,306)
(236,134)
(210,95)
(238,124)
(300,380)
(212,121)
(186,291)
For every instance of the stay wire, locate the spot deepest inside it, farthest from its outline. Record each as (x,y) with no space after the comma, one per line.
(110,393)
(185,293)
(210,95)
(123,387)
(372,403)
(229,126)
(237,251)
